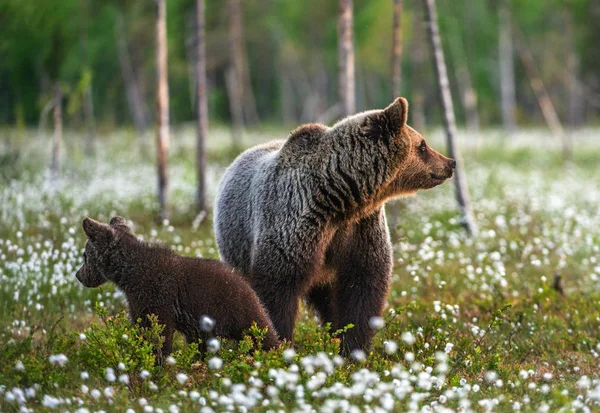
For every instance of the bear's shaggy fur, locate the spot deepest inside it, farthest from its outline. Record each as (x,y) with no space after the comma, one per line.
(178,290)
(304,217)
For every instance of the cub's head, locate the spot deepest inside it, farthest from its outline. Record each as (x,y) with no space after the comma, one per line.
(410,163)
(99,258)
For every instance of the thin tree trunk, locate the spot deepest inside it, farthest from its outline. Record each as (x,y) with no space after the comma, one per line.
(235,75)
(288,107)
(541,94)
(574,99)
(134,97)
(397,49)
(507,72)
(88,103)
(417,59)
(465,84)
(58,132)
(235,106)
(396,79)
(239,62)
(460,181)
(162,108)
(346,58)
(201,107)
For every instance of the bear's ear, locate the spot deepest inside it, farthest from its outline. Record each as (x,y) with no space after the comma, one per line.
(397,113)
(385,124)
(119,223)
(97,231)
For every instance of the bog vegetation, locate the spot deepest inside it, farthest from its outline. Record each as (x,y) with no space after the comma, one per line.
(508,320)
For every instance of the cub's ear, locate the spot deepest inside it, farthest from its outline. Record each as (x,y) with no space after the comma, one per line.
(119,223)
(397,113)
(97,231)
(117,220)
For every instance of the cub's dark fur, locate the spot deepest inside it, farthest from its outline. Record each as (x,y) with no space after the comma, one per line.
(305,217)
(178,290)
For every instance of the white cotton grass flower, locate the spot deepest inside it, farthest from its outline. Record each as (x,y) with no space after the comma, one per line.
(215,363)
(390,347)
(491,376)
(171,361)
(358,355)
(84,375)
(95,393)
(213,345)
(182,378)
(207,324)
(110,375)
(58,359)
(289,354)
(51,402)
(19,366)
(409,356)
(124,378)
(408,338)
(109,392)
(121,366)
(144,374)
(376,323)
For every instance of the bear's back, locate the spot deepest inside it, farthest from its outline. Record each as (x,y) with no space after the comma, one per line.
(233,205)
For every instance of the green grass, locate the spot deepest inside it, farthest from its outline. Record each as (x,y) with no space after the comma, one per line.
(477,322)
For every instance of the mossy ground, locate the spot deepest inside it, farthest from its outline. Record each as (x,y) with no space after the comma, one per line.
(471,323)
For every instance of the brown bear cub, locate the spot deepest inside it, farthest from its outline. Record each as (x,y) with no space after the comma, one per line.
(178,290)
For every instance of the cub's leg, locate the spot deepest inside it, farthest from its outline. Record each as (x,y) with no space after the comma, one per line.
(363,280)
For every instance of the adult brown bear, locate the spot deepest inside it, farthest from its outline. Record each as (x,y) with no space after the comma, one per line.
(304,217)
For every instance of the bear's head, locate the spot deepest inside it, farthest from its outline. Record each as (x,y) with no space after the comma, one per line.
(99,258)
(394,157)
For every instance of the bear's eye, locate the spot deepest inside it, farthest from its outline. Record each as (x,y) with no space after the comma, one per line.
(423,147)
(84,257)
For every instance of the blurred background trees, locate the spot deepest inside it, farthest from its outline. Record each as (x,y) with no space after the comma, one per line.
(276,61)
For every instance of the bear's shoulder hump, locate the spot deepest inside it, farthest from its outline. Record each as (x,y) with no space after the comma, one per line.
(303,139)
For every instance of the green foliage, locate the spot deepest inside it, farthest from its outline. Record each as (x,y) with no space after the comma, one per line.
(115,340)
(73,42)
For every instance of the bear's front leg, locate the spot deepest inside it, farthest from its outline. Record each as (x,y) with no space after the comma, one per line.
(279,277)
(363,275)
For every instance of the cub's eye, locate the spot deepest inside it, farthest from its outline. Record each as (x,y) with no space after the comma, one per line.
(423,147)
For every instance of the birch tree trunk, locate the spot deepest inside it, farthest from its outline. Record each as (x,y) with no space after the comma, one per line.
(396,81)
(417,60)
(574,99)
(137,108)
(465,83)
(201,107)
(346,58)
(235,74)
(162,108)
(507,71)
(88,103)
(397,49)
(460,181)
(541,94)
(58,132)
